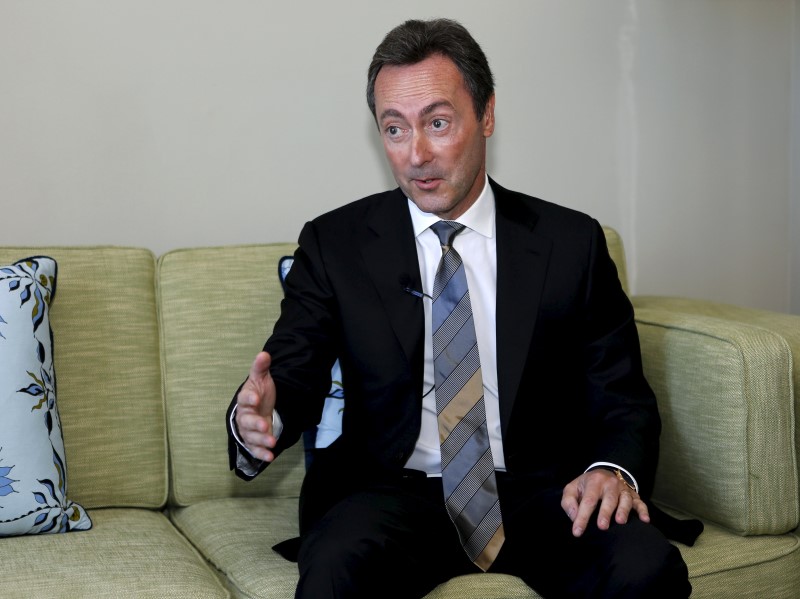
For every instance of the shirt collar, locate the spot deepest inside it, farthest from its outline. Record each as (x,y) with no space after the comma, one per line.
(479,217)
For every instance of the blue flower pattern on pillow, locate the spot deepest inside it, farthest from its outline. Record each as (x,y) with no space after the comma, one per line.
(6,483)
(50,510)
(40,290)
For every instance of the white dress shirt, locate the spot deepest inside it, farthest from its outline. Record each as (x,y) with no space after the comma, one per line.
(478,250)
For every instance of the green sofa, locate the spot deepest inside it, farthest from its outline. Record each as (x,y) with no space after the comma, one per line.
(149,351)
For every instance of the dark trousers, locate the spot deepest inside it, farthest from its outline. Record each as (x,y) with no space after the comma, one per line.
(394,539)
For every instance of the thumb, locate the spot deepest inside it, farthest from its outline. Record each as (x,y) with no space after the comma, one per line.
(260,368)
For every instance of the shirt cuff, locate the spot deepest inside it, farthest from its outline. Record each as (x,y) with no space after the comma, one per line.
(612,466)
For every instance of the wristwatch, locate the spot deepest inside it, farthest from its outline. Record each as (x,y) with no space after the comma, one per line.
(625,479)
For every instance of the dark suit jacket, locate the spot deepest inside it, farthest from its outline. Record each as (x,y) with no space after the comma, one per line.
(571,387)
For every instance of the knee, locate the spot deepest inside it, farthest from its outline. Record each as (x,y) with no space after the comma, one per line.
(329,556)
(649,570)
(346,566)
(327,569)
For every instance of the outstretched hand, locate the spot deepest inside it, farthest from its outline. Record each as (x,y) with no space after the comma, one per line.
(255,403)
(600,487)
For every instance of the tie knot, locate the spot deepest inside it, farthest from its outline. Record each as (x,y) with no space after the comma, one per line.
(446,230)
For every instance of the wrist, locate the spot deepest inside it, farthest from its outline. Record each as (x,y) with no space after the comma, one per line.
(618,471)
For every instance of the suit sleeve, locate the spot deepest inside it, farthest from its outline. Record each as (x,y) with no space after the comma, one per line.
(623,410)
(302,349)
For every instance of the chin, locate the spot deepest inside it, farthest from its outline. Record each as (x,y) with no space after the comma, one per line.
(433,203)
(433,206)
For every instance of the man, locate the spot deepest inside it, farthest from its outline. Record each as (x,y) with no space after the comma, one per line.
(562,429)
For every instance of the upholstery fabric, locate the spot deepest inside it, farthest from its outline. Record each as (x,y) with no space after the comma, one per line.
(108,562)
(724,564)
(218,305)
(495,586)
(232,534)
(236,535)
(724,394)
(785,325)
(33,473)
(109,383)
(110,402)
(617,253)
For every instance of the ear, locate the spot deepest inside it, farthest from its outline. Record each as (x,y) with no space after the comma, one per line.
(488,118)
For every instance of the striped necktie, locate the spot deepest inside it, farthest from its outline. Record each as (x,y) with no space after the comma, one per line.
(468,478)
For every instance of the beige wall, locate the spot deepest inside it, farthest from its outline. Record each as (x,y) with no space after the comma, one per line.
(192,122)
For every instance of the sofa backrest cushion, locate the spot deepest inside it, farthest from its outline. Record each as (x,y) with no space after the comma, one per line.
(107,367)
(217,307)
(617,252)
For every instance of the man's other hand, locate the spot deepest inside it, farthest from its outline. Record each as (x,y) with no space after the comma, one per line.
(255,403)
(600,488)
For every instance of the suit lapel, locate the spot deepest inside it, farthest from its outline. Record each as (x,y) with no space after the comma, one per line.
(390,256)
(389,252)
(522,261)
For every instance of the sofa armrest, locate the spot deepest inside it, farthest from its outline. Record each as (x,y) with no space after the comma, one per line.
(725,395)
(785,325)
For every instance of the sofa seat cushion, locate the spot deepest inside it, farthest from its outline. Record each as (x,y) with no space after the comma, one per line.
(485,586)
(128,553)
(724,564)
(237,534)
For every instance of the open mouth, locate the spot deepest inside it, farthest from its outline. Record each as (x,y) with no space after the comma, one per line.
(426,183)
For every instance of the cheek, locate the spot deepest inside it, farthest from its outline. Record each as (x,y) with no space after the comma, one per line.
(471,155)
(394,156)
(458,156)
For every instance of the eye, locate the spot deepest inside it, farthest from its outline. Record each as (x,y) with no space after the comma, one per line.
(438,124)
(394,131)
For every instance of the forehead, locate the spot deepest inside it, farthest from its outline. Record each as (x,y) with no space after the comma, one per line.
(410,88)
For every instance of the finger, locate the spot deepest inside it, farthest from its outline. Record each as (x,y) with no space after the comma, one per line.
(255,440)
(626,500)
(608,505)
(586,507)
(258,442)
(260,368)
(261,453)
(249,421)
(641,509)
(569,501)
(248,397)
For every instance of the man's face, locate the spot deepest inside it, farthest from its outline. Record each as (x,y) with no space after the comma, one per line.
(435,143)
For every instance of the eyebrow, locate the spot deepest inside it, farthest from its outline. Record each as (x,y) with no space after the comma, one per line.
(436,105)
(391,112)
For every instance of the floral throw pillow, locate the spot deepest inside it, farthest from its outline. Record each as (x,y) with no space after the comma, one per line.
(33,472)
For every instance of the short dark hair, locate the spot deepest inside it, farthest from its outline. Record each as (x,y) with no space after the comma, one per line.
(415,40)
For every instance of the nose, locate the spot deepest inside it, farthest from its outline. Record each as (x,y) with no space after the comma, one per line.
(420,149)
